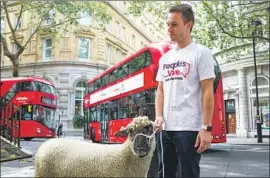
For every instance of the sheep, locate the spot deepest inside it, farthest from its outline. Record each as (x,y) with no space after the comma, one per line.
(63,157)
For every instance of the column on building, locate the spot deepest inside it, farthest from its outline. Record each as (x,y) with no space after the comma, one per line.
(242,128)
(236,100)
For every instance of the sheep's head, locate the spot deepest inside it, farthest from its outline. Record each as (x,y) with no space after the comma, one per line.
(139,132)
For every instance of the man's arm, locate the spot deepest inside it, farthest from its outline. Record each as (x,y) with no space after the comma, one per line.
(159,105)
(204,137)
(207,100)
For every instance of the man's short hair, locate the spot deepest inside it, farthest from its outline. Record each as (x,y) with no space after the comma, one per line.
(186,11)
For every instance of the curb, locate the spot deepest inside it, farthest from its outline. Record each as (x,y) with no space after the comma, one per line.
(17,158)
(264,144)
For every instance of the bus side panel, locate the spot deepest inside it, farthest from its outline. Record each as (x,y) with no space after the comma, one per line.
(218,122)
(34,129)
(5,87)
(115,126)
(97,130)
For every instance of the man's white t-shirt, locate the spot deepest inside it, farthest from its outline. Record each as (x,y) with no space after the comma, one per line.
(181,71)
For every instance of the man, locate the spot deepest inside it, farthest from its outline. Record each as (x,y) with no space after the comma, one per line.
(184,99)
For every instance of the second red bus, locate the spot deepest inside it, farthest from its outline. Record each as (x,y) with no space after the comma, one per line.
(127,90)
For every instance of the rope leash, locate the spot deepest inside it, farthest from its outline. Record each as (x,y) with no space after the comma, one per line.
(147,136)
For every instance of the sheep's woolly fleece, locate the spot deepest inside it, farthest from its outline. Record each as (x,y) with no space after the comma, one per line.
(141,121)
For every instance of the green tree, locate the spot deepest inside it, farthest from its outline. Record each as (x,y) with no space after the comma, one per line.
(221,25)
(53,17)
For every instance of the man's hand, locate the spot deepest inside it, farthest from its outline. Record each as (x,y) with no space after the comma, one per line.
(159,122)
(203,140)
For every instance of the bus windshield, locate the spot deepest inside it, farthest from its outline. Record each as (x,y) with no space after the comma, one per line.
(45,116)
(45,88)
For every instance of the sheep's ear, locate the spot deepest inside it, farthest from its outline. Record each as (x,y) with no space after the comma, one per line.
(123,132)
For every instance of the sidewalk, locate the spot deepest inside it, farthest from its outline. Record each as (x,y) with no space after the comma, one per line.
(247,141)
(22,172)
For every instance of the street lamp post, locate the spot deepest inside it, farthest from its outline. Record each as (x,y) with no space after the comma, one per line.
(256,23)
(59,117)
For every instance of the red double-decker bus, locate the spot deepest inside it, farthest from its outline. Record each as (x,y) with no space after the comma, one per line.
(128,89)
(37,100)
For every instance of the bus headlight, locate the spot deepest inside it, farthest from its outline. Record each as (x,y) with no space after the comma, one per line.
(38,130)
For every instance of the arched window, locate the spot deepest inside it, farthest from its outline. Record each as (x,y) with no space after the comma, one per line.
(263,85)
(264,104)
(79,95)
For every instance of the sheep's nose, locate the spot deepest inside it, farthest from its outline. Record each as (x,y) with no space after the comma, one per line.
(141,148)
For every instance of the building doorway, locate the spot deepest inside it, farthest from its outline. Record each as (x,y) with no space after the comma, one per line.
(230,116)
(231,123)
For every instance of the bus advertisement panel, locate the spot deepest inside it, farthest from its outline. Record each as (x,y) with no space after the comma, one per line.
(127,90)
(37,99)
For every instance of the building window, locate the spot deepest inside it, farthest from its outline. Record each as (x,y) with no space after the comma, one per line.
(84,48)
(264,103)
(123,34)
(79,95)
(109,27)
(2,25)
(263,86)
(85,18)
(117,29)
(47,48)
(116,55)
(133,41)
(15,48)
(18,21)
(108,53)
(49,18)
(142,45)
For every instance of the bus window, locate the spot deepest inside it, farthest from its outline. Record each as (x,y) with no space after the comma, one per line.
(113,75)
(150,96)
(98,83)
(38,114)
(123,108)
(26,114)
(45,88)
(90,88)
(10,94)
(99,113)
(217,73)
(113,109)
(140,60)
(140,104)
(132,66)
(148,58)
(123,71)
(27,86)
(106,80)
(19,86)
(44,115)
(93,114)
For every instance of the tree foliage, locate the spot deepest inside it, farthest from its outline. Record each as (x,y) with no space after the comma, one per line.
(221,25)
(55,17)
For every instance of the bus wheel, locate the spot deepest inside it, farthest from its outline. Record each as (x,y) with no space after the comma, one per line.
(93,136)
(28,138)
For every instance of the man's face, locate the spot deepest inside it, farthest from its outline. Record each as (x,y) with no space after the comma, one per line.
(178,30)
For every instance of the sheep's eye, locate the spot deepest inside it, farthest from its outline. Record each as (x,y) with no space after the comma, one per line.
(149,128)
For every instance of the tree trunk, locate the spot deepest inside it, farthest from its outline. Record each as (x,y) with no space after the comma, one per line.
(15,71)
(15,63)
